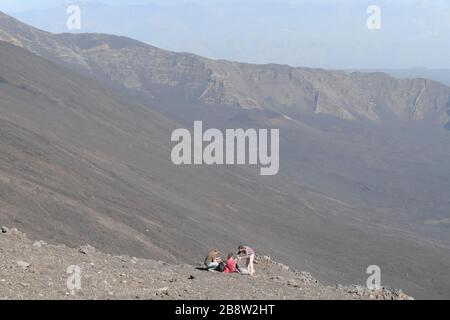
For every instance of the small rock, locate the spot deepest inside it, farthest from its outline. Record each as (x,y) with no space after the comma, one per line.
(37,244)
(87,249)
(400,295)
(23,264)
(123,258)
(293,283)
(4,229)
(358,290)
(191,277)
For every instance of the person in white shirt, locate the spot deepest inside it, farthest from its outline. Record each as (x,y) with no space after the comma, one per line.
(249,254)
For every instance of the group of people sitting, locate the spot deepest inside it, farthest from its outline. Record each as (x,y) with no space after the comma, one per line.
(214,261)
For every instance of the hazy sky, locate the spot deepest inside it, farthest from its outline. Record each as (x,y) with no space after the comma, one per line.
(316,33)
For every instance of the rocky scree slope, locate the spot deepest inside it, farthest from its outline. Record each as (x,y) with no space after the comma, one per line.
(36,270)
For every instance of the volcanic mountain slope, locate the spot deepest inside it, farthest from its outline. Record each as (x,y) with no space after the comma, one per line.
(179,80)
(80,164)
(77,163)
(36,270)
(386,120)
(57,133)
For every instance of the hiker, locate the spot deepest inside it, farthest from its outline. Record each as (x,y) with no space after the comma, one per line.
(212,260)
(230,265)
(245,252)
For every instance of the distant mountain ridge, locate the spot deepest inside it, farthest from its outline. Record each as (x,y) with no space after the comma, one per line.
(260,31)
(439,75)
(164,77)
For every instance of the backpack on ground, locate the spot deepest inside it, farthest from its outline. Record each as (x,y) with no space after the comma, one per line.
(221,267)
